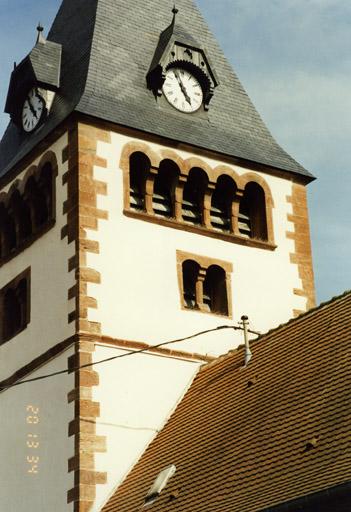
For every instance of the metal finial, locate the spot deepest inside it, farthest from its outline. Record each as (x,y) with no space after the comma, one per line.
(40,29)
(175,10)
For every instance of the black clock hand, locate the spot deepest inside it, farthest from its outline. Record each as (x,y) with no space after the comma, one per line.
(182,87)
(32,109)
(184,91)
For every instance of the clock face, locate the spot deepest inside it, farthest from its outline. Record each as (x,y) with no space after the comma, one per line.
(33,110)
(183,90)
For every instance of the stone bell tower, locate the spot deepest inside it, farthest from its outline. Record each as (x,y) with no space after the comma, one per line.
(143,200)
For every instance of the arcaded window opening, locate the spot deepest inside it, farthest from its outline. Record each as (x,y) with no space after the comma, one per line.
(163,199)
(26,215)
(222,203)
(204,284)
(215,291)
(15,307)
(193,196)
(252,213)
(190,271)
(139,169)
(161,188)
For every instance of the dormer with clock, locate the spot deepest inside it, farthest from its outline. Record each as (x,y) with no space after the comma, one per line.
(181,72)
(33,85)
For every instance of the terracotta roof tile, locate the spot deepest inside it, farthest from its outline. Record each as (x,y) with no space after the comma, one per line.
(245,439)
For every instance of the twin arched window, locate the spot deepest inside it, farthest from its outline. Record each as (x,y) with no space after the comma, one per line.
(24,215)
(205,288)
(192,199)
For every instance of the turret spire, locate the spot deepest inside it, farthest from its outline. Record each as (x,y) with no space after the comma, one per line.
(40,37)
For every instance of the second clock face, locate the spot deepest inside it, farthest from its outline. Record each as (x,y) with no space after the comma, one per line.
(183,90)
(33,110)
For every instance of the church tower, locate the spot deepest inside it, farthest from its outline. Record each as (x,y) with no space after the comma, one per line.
(143,200)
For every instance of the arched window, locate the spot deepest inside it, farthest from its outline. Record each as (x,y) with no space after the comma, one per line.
(139,167)
(221,203)
(46,183)
(7,232)
(164,189)
(252,213)
(21,212)
(193,196)
(37,199)
(215,290)
(190,275)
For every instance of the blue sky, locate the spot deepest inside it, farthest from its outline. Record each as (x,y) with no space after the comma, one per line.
(293,57)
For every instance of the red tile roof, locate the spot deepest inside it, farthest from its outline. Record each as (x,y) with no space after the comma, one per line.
(244,439)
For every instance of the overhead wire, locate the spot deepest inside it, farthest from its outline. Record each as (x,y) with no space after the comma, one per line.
(127,354)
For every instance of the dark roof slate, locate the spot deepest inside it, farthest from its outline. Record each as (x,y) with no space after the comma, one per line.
(108,46)
(249,439)
(46,61)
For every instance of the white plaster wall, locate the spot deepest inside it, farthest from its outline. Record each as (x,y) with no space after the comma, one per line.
(47,490)
(139,296)
(137,394)
(48,258)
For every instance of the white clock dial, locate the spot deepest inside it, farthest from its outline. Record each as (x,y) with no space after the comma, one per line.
(33,110)
(183,90)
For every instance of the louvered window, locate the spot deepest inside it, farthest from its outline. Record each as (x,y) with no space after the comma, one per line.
(164,189)
(22,214)
(193,196)
(244,222)
(221,203)
(139,167)
(215,291)
(8,232)
(252,213)
(190,276)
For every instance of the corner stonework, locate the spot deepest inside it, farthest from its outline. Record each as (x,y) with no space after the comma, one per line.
(302,256)
(82,215)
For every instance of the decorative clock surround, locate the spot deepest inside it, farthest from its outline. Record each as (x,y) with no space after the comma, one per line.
(180,71)
(34,83)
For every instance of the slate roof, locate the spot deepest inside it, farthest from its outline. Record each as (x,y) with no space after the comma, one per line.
(46,62)
(108,46)
(247,439)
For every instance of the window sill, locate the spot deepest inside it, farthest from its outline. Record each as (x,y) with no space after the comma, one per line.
(204,312)
(28,242)
(201,230)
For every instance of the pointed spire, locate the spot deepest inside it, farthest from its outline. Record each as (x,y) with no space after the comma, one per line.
(40,37)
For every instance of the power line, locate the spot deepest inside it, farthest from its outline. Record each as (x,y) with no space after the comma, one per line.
(146,349)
